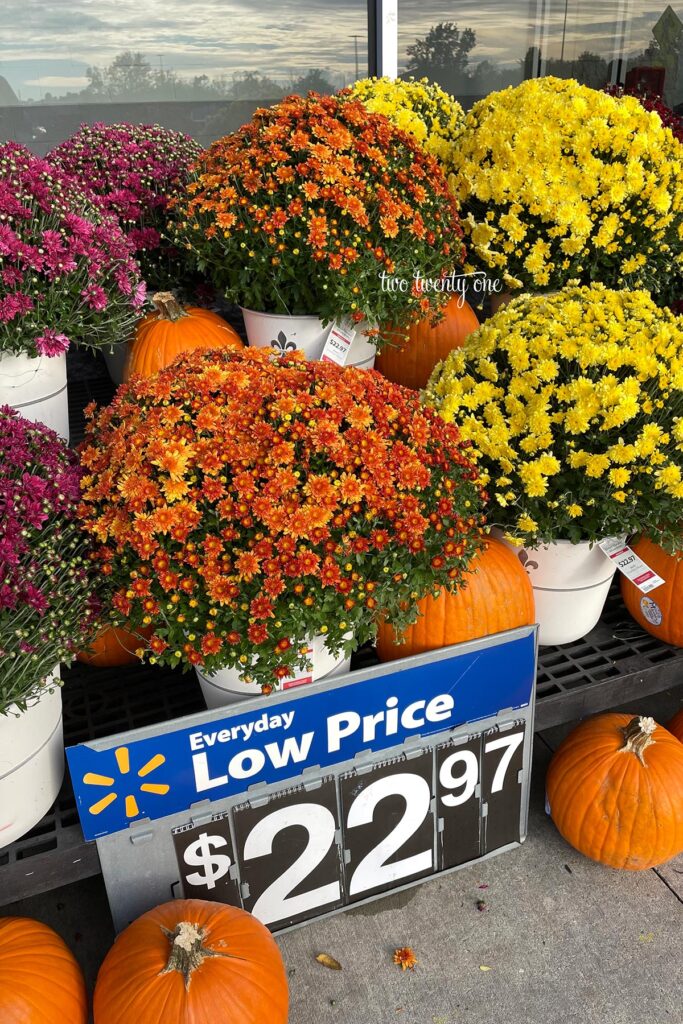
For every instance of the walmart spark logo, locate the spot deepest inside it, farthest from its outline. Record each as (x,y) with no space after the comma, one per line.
(123,762)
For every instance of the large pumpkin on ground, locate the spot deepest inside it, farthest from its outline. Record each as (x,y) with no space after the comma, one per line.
(40,980)
(497,596)
(115,647)
(410,361)
(193,962)
(675,726)
(162,336)
(661,611)
(615,791)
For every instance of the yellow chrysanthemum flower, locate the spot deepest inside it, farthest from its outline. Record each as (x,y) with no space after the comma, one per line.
(573,402)
(420,108)
(559,181)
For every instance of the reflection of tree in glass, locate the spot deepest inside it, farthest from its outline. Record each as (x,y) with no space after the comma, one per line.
(131,78)
(588,68)
(445,49)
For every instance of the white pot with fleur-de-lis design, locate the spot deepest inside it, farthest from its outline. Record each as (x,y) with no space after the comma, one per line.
(571,583)
(306,333)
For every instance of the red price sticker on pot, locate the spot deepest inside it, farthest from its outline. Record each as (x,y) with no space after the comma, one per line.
(632,566)
(338,344)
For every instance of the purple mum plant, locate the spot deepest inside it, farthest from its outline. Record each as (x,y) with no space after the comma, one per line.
(67,272)
(48,598)
(135,170)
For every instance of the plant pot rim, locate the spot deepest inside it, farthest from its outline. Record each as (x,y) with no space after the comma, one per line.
(35,695)
(563,542)
(500,532)
(281,316)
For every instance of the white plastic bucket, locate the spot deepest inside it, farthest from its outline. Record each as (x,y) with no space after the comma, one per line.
(31,763)
(36,387)
(286,333)
(116,361)
(571,583)
(226,687)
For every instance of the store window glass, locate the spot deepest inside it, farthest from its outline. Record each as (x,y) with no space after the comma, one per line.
(199,66)
(472,48)
(655,52)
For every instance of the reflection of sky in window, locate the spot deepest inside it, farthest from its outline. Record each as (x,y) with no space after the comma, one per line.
(46,45)
(506,28)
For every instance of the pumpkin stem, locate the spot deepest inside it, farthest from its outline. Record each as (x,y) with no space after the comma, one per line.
(638,736)
(188,951)
(167,306)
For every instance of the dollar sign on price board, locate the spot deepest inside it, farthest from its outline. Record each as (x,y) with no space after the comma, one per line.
(208,848)
(213,866)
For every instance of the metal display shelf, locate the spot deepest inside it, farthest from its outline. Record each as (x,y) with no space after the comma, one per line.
(614,664)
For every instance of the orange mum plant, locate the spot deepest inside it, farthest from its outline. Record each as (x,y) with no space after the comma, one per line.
(304,208)
(244,504)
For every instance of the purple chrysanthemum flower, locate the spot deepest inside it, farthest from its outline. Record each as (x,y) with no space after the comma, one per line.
(48,601)
(135,170)
(66,269)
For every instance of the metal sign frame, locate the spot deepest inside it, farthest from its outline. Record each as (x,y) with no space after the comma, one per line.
(140,863)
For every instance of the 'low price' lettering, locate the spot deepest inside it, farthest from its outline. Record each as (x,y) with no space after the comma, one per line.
(246,764)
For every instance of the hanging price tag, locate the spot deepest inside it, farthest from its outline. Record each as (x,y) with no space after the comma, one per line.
(338,344)
(632,566)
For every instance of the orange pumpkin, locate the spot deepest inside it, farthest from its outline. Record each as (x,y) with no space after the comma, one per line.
(410,361)
(658,612)
(495,597)
(675,726)
(162,336)
(192,960)
(114,647)
(615,791)
(40,980)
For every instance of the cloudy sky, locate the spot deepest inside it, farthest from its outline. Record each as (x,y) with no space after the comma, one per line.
(47,44)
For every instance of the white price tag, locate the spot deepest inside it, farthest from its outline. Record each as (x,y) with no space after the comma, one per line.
(338,344)
(632,566)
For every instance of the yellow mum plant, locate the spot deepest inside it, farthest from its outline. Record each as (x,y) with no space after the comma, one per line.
(573,403)
(561,182)
(416,106)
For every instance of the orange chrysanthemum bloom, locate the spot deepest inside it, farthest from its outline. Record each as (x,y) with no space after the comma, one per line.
(405,958)
(305,207)
(286,499)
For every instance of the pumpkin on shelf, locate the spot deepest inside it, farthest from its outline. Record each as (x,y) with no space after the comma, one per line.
(675,726)
(615,791)
(114,647)
(192,960)
(659,611)
(40,980)
(410,361)
(496,595)
(161,336)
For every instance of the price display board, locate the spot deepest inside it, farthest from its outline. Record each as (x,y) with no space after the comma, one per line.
(322,798)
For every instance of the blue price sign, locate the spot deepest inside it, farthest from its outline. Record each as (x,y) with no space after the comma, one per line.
(220,754)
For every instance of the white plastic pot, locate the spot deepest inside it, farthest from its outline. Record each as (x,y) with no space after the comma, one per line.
(31,763)
(226,687)
(571,583)
(116,361)
(286,333)
(36,387)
